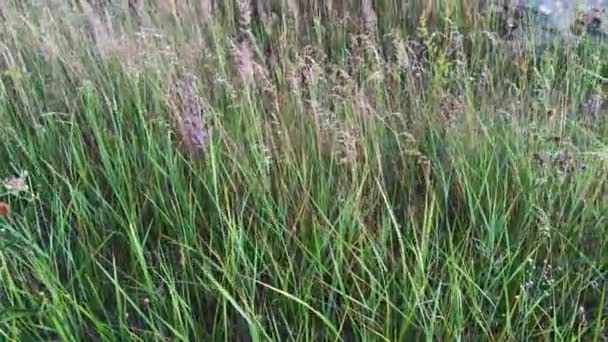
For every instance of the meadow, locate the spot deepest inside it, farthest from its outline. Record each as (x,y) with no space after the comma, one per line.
(299,171)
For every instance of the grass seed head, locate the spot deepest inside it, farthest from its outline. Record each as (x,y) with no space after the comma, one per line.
(370,18)
(189,115)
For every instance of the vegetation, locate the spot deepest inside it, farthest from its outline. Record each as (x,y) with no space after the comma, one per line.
(311,171)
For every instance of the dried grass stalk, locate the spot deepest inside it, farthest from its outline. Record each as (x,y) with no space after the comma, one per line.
(370,19)
(244,56)
(293,8)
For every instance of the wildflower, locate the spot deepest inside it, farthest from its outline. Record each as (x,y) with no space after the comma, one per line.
(16,185)
(5,209)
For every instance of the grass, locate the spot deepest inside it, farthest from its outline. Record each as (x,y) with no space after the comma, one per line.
(351,180)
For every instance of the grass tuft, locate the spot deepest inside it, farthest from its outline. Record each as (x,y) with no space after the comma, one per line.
(307,170)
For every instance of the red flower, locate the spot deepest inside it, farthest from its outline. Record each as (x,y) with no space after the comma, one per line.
(5,209)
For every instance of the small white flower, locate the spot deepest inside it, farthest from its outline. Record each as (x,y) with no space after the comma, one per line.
(17,185)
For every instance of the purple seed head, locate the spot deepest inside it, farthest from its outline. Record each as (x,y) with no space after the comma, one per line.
(189,114)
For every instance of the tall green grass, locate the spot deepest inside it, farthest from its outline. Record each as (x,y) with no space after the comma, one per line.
(389,185)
